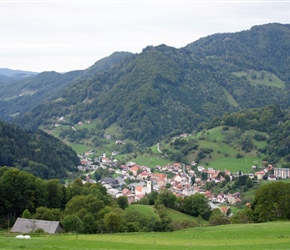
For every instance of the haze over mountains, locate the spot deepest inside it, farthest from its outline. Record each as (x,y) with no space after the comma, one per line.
(162,90)
(4,72)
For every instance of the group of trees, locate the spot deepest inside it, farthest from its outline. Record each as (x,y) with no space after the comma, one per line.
(195,205)
(49,199)
(36,152)
(87,206)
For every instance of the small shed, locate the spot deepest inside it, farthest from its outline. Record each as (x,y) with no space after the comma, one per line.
(30,225)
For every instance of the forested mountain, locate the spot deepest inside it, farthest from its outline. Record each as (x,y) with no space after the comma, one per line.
(264,47)
(38,153)
(19,95)
(165,90)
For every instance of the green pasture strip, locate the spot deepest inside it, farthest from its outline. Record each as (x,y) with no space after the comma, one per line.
(79,148)
(151,160)
(173,214)
(219,146)
(261,77)
(154,149)
(233,208)
(214,134)
(260,144)
(114,130)
(178,216)
(235,164)
(274,235)
(148,210)
(230,99)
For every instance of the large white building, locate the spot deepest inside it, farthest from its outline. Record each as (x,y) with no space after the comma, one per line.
(283,173)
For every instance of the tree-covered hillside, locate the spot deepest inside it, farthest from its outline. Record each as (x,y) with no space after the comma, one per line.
(37,153)
(164,90)
(19,95)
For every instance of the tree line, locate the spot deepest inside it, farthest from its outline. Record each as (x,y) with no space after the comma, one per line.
(87,205)
(88,208)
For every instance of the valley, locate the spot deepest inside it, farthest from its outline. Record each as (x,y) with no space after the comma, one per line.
(188,137)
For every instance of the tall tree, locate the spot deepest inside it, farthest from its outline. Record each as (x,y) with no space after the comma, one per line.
(196,204)
(272,202)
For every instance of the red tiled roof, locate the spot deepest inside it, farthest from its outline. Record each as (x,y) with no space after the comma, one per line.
(224,209)
(135,168)
(139,188)
(126,191)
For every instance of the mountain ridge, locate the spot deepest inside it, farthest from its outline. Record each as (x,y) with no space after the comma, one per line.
(45,86)
(16,73)
(163,90)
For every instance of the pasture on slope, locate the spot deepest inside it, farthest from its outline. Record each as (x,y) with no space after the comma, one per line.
(272,235)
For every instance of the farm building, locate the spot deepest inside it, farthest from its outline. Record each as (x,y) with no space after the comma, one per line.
(30,225)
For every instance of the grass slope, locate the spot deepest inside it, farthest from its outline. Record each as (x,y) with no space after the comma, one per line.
(274,235)
(225,146)
(147,210)
(261,77)
(173,214)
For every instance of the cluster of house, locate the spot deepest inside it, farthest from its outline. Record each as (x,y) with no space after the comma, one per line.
(180,184)
(269,172)
(143,181)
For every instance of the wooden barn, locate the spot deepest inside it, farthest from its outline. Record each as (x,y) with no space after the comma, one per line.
(30,225)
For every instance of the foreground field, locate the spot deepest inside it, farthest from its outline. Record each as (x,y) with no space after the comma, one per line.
(252,236)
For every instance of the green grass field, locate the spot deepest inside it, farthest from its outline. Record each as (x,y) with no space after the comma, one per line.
(261,77)
(151,161)
(147,210)
(274,235)
(230,98)
(173,214)
(235,164)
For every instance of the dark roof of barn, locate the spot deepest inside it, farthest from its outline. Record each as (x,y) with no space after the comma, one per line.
(29,225)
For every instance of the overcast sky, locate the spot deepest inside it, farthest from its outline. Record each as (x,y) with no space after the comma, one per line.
(68,35)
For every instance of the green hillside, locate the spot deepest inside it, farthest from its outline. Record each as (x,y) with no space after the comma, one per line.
(165,91)
(237,141)
(37,153)
(20,95)
(174,215)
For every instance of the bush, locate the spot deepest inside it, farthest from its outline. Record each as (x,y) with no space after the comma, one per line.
(239,155)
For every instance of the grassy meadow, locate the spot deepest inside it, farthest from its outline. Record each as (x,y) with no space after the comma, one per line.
(235,164)
(273,235)
(261,77)
(174,215)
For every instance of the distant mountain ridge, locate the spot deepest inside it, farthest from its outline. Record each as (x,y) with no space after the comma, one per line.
(46,86)
(16,73)
(164,90)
